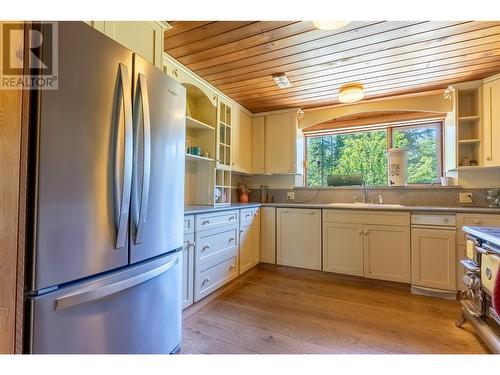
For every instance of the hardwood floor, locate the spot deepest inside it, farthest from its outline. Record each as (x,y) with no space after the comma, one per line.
(275,309)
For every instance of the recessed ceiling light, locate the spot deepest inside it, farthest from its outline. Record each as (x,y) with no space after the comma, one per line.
(282,80)
(351,92)
(330,25)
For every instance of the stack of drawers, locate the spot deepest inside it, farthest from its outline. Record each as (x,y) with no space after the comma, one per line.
(216,251)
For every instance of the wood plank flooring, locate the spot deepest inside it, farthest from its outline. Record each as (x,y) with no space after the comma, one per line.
(283,310)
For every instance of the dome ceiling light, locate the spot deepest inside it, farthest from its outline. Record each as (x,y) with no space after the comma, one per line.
(330,25)
(351,92)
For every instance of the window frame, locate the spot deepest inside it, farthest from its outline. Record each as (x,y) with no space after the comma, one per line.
(389,128)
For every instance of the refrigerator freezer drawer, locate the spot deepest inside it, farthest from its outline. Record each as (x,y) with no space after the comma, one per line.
(135,310)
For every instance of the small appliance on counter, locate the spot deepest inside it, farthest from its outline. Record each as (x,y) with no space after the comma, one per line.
(482,265)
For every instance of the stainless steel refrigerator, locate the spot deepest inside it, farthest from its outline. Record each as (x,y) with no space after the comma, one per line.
(107,192)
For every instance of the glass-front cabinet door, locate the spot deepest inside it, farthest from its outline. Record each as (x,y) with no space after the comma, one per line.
(224,136)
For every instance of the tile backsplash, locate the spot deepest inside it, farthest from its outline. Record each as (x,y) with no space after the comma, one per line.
(407,196)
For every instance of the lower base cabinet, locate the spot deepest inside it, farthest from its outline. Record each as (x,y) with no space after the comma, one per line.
(387,253)
(299,237)
(249,254)
(208,278)
(374,244)
(268,235)
(188,270)
(246,242)
(434,258)
(343,248)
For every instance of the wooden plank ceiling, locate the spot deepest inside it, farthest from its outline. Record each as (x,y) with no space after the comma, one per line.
(388,58)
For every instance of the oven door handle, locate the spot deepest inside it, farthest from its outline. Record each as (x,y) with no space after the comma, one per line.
(484,251)
(470,266)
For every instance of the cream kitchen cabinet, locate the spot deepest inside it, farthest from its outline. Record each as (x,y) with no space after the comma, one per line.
(188,262)
(249,253)
(283,150)
(343,248)
(298,237)
(187,270)
(387,253)
(143,37)
(491,121)
(241,141)
(433,258)
(373,244)
(246,242)
(268,235)
(258,145)
(256,236)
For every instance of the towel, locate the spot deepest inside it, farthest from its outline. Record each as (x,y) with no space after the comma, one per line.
(496,293)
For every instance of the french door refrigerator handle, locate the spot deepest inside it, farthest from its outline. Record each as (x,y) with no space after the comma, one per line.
(79,298)
(124,200)
(142,88)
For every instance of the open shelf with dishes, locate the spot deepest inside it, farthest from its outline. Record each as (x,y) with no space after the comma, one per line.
(222,191)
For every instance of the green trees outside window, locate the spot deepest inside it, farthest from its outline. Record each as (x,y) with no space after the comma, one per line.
(363,152)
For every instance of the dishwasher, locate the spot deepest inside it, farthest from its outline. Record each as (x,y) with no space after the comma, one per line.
(434,255)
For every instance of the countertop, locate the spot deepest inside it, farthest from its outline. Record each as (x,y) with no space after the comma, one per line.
(190,210)
(488,234)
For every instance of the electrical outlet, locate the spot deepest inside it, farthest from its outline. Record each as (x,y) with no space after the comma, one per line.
(290,195)
(465,198)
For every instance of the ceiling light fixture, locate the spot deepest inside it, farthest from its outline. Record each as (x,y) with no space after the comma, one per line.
(330,25)
(282,80)
(351,92)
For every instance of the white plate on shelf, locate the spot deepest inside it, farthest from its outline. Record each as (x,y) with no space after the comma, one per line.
(217,194)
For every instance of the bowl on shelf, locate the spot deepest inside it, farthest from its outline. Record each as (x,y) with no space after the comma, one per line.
(195,150)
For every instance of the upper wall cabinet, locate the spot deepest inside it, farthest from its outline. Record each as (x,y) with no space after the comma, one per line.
(463,140)
(242,141)
(491,121)
(258,145)
(143,37)
(283,150)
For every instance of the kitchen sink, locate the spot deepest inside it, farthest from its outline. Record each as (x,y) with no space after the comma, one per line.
(365,205)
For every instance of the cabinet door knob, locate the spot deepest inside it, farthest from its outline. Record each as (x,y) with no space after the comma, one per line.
(231,267)
(206,280)
(365,232)
(477,221)
(360,231)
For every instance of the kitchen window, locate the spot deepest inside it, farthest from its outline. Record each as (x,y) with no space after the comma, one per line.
(363,152)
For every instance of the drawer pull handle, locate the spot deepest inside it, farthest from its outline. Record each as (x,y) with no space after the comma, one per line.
(231,267)
(206,247)
(231,239)
(477,221)
(247,215)
(205,222)
(206,280)
(192,244)
(231,217)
